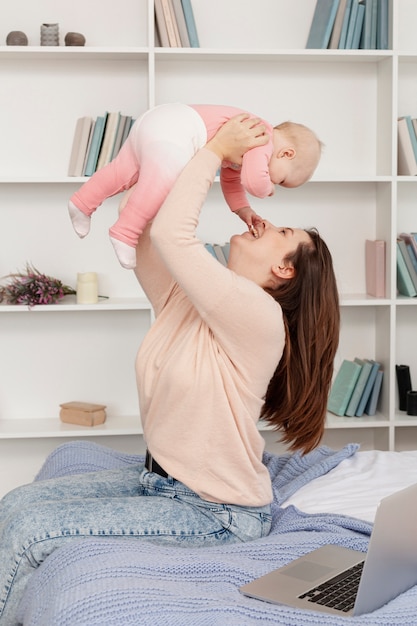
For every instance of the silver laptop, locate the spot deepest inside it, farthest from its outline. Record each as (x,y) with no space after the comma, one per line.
(337,580)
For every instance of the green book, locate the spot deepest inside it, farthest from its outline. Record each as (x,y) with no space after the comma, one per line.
(359,387)
(343,386)
(95,145)
(404,283)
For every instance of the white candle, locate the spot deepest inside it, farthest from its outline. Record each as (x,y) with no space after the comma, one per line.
(87,288)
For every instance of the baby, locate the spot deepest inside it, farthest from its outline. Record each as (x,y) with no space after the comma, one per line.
(158,147)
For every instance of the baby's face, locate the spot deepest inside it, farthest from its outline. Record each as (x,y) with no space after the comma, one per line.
(285,172)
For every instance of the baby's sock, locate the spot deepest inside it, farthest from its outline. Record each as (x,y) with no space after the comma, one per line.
(126,254)
(80,221)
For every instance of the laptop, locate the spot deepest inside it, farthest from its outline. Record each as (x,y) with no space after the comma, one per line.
(337,580)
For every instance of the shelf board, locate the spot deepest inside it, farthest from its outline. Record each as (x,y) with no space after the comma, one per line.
(74,52)
(362,299)
(52,427)
(338,422)
(68,303)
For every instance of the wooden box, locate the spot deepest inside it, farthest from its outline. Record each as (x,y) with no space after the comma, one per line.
(83,413)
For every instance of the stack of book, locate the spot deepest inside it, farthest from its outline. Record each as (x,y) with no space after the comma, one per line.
(407,146)
(350,24)
(97,142)
(407,264)
(356,388)
(219,251)
(175,24)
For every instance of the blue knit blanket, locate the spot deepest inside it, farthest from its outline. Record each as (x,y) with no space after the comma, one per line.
(122,582)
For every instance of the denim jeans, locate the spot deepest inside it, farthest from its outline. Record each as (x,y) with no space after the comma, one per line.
(38,518)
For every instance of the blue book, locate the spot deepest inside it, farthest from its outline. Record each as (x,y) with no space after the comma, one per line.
(412,132)
(366,38)
(355,398)
(322,23)
(358,27)
(352,24)
(190,22)
(375,393)
(382,19)
(97,138)
(210,248)
(368,388)
(343,386)
(404,283)
(345,26)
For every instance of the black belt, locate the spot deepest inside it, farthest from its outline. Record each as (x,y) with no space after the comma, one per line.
(152,466)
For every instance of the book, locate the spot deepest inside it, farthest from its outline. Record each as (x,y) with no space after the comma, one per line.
(412,131)
(359,386)
(209,247)
(175,23)
(218,251)
(169,17)
(345,25)
(357,31)
(382,25)
(352,23)
(403,375)
(322,24)
(405,285)
(368,24)
(128,125)
(370,408)
(119,136)
(337,27)
(191,25)
(226,250)
(79,146)
(407,164)
(343,386)
(407,259)
(110,132)
(368,388)
(375,264)
(95,145)
(161,24)
(411,244)
(181,24)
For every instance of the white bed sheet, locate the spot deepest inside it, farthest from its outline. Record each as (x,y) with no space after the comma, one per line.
(357,484)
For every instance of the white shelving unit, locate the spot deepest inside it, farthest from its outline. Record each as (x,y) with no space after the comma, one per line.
(253,57)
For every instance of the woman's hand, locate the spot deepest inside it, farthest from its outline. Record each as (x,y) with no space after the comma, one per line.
(238,135)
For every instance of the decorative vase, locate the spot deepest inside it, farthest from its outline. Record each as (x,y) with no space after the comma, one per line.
(74,39)
(49,34)
(16,38)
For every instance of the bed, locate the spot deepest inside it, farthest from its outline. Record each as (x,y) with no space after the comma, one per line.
(327,496)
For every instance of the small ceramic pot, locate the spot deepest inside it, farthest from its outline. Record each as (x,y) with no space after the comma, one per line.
(16,38)
(74,39)
(49,34)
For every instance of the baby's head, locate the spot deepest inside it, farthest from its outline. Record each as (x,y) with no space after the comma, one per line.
(297,152)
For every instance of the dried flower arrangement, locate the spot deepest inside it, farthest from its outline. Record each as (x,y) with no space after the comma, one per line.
(32,287)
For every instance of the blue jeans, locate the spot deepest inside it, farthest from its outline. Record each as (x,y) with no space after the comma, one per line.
(38,518)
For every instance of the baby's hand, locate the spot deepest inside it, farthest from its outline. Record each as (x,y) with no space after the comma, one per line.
(251,219)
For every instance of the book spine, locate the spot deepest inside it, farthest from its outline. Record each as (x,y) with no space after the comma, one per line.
(169,24)
(404,283)
(161,25)
(191,25)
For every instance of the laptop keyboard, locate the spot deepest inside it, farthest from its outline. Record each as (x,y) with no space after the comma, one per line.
(338,592)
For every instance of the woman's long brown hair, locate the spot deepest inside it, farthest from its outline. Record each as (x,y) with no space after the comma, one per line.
(296,398)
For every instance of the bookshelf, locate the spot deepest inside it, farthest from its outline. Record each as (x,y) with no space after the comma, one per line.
(351,98)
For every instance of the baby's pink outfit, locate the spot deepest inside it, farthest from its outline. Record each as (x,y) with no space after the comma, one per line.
(161,142)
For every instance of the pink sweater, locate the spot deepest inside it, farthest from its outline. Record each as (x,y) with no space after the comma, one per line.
(204,366)
(253,176)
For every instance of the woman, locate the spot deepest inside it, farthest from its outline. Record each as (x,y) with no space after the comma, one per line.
(228,345)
